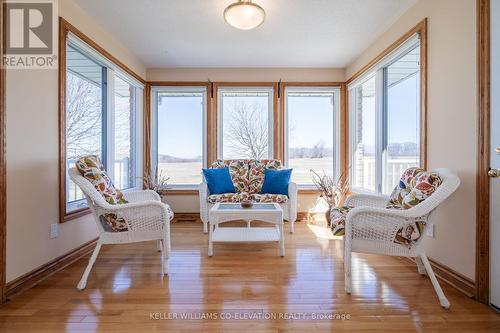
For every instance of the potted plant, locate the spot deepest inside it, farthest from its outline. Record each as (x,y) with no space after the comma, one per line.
(157,184)
(332,190)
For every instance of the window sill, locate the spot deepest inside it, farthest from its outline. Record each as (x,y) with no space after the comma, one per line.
(179,191)
(75,214)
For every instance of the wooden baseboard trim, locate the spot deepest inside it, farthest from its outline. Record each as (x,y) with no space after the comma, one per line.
(453,278)
(29,280)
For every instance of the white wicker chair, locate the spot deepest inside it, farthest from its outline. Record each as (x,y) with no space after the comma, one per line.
(289,208)
(146,216)
(371,228)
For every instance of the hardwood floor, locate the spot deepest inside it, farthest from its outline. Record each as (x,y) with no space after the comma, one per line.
(126,292)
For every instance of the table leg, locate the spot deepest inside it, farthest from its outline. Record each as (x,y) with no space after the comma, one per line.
(210,241)
(282,239)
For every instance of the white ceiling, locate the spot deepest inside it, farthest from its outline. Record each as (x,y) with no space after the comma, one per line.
(296,33)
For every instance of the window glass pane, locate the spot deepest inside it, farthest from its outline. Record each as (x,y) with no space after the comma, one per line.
(84,107)
(180,136)
(364,163)
(310,134)
(125,134)
(245,124)
(402,118)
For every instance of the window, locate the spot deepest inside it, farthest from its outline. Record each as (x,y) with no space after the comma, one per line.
(101,112)
(385,120)
(245,122)
(85,87)
(402,117)
(311,115)
(179,133)
(125,138)
(363,168)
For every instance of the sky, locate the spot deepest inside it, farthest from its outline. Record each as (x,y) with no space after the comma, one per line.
(310,118)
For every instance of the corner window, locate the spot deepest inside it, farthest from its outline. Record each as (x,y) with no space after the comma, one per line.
(102,116)
(385,120)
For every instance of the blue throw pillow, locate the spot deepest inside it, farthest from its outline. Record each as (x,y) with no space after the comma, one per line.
(219,180)
(276,181)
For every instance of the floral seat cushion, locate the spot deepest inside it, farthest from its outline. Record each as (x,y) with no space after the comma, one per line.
(228,197)
(415,186)
(337,219)
(238,169)
(267,197)
(92,169)
(256,173)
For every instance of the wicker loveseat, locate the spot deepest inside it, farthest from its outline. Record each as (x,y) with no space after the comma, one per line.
(248,178)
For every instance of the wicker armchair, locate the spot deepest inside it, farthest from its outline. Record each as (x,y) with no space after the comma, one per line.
(371,228)
(147,219)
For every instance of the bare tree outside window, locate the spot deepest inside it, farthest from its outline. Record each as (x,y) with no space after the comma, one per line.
(83,117)
(246,133)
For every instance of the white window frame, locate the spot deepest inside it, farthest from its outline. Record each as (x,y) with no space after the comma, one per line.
(270,120)
(376,70)
(336,125)
(112,70)
(154,128)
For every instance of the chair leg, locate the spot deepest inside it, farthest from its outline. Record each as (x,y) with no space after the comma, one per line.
(249,224)
(83,282)
(442,298)
(205,227)
(347,270)
(159,245)
(166,253)
(292,227)
(420,266)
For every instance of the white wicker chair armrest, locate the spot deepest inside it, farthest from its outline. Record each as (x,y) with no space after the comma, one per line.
(378,224)
(376,201)
(292,190)
(405,214)
(203,189)
(145,215)
(141,195)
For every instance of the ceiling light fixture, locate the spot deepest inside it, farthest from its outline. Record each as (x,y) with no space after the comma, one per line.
(244,15)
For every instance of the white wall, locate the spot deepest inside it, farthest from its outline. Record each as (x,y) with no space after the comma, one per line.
(247,74)
(452,118)
(32,158)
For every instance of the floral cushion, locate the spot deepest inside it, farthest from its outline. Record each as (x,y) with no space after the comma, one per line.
(227,197)
(238,169)
(266,197)
(91,168)
(337,219)
(415,186)
(256,173)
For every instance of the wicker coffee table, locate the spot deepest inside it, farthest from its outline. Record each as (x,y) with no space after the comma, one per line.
(225,212)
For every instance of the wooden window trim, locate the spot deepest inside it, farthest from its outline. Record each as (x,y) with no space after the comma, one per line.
(343,144)
(482,292)
(3,166)
(213,130)
(148,107)
(64,28)
(421,29)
